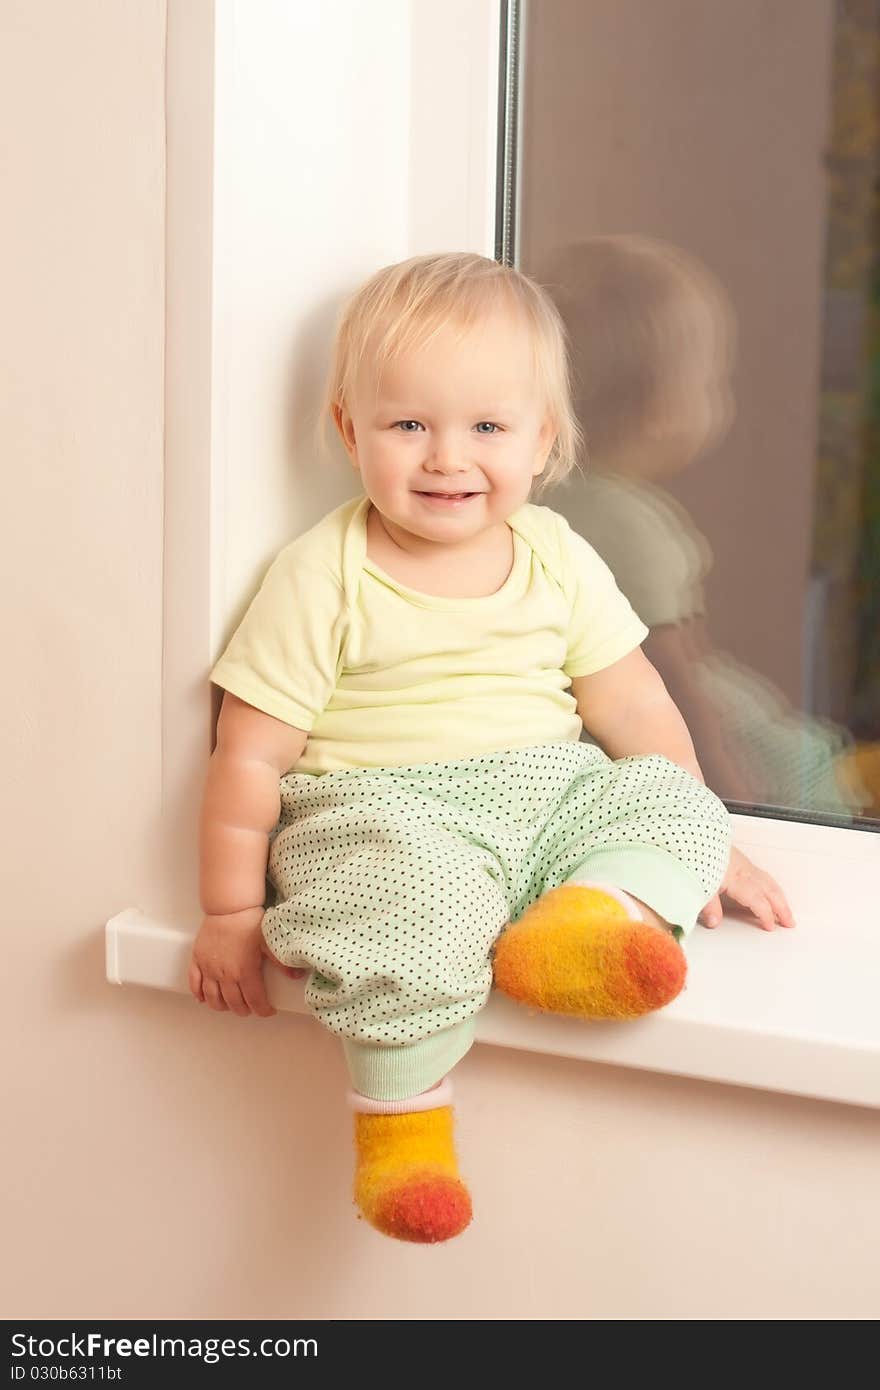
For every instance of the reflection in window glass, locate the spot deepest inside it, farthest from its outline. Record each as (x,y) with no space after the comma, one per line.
(716,263)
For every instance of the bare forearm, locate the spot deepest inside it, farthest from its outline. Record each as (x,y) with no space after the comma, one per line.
(240,805)
(656,726)
(676,653)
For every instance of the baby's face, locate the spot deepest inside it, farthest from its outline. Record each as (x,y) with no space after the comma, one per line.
(459,416)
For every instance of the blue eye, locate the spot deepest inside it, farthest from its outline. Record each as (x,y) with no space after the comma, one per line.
(495,429)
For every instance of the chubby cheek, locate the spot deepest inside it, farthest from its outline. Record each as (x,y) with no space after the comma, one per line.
(384,467)
(395,476)
(507,483)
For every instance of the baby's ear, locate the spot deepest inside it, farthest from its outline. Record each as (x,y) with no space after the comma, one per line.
(343,422)
(546,437)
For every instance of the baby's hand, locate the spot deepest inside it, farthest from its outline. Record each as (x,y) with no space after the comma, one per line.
(226,968)
(750,886)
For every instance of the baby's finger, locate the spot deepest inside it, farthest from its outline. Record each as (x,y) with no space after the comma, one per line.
(254,990)
(753,897)
(712,912)
(233,996)
(213,997)
(195,982)
(784,914)
(778,900)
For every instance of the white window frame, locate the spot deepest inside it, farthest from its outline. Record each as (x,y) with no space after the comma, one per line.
(799,1018)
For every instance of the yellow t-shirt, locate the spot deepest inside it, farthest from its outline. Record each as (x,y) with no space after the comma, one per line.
(382,675)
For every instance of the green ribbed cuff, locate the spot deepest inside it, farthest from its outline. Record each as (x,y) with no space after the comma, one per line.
(396,1071)
(655,877)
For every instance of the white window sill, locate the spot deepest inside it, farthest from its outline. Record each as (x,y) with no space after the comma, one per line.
(789,1010)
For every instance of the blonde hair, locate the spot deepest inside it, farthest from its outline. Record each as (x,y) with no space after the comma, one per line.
(624,300)
(403,305)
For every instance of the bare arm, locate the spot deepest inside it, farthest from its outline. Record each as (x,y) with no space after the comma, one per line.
(675,650)
(628,711)
(240,806)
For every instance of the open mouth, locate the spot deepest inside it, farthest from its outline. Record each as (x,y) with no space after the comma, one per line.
(447,496)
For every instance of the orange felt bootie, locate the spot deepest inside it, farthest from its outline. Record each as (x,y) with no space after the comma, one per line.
(407,1183)
(577,951)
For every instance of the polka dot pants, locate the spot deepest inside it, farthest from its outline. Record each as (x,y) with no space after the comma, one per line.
(393,883)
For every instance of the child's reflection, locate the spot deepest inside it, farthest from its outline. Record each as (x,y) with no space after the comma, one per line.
(653,340)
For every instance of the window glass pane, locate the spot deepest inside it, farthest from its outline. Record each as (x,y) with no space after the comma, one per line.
(698,191)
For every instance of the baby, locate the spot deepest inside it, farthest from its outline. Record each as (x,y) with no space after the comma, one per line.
(399,752)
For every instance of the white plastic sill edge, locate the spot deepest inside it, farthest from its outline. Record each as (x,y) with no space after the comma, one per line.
(790,1010)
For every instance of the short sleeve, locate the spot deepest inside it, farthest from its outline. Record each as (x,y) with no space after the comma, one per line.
(284,656)
(603,626)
